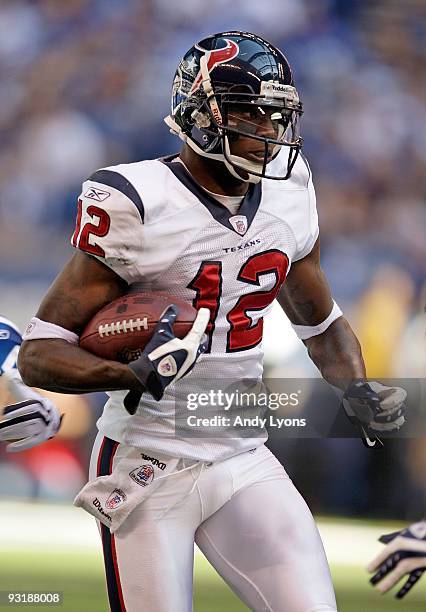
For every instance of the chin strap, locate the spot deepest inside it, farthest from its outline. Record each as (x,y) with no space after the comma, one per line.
(241,163)
(176,130)
(208,89)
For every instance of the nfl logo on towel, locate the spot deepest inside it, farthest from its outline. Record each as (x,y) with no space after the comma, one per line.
(143,475)
(116,498)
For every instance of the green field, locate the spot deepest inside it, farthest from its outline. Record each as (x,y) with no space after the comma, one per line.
(80,578)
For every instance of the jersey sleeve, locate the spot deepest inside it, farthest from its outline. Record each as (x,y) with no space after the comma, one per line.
(109,223)
(10,341)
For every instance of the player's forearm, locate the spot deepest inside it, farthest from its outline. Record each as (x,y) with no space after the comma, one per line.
(337,354)
(59,366)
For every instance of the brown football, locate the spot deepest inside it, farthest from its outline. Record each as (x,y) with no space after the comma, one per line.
(121,329)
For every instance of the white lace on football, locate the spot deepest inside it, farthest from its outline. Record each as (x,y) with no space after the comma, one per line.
(118,327)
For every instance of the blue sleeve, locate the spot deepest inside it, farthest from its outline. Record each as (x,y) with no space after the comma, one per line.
(10,341)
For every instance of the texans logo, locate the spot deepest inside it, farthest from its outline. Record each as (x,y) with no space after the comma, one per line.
(214,58)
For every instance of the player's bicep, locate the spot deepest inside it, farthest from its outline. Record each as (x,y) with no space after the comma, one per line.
(305,296)
(83,287)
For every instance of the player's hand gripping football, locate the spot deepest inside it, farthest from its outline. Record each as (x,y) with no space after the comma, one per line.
(31,421)
(405,553)
(374,409)
(166,358)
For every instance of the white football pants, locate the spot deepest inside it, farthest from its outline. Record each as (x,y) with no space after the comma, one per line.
(245,515)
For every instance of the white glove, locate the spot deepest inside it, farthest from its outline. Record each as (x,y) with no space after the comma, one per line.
(405,553)
(29,422)
(374,408)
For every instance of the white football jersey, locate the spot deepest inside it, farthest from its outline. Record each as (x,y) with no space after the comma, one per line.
(154,225)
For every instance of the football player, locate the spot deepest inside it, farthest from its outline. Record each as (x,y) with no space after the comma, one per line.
(34,418)
(404,553)
(229,224)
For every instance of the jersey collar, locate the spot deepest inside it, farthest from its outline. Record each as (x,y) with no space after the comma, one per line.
(248,207)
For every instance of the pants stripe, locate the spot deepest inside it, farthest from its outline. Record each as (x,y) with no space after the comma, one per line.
(115,593)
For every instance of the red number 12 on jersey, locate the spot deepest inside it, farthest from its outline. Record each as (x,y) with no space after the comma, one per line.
(100,229)
(242,335)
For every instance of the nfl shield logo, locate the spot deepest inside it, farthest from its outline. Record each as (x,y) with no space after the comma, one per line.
(116,498)
(143,475)
(167,366)
(239,223)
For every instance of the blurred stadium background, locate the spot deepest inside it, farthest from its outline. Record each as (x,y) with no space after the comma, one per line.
(85,84)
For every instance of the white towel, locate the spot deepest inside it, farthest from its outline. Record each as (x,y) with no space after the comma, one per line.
(111,499)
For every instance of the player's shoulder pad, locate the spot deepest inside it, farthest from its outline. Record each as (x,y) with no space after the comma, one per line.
(115,177)
(147,184)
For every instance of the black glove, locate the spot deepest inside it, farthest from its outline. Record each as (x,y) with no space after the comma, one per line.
(374,408)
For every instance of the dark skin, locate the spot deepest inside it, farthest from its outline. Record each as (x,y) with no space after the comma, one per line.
(85,285)
(306,299)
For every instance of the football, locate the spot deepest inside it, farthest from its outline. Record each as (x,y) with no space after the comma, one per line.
(121,329)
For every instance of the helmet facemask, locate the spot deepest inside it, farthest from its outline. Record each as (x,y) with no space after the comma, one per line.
(266,125)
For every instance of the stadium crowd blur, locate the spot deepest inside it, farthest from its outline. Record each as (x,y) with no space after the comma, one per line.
(86,85)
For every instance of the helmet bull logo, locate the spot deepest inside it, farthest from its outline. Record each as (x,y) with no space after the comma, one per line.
(216,57)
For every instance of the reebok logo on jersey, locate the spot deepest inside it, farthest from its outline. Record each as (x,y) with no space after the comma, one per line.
(4,334)
(97,194)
